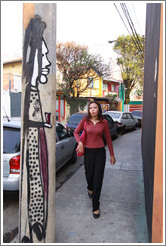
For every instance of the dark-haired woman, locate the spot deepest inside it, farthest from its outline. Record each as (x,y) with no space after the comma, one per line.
(95,154)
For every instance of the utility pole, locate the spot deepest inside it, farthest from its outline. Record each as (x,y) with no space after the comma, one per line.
(38,115)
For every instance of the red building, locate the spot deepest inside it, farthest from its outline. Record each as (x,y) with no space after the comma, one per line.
(111,86)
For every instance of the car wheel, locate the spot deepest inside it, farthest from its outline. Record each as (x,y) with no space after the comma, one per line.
(74,156)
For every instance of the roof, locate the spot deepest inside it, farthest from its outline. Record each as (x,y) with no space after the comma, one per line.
(112,80)
(13,61)
(98,72)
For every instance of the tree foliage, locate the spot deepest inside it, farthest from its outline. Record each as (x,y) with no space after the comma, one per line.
(113,102)
(131,61)
(76,104)
(75,62)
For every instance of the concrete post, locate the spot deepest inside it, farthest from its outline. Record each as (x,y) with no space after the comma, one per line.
(38,139)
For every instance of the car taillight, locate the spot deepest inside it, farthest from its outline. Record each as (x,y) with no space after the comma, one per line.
(15,165)
(119,124)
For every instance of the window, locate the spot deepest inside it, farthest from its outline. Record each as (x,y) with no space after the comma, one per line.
(109,119)
(105,87)
(90,82)
(115,115)
(112,88)
(62,107)
(61,132)
(137,113)
(124,116)
(11,140)
(129,116)
(75,119)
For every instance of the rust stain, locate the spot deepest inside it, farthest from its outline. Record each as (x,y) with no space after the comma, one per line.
(28,13)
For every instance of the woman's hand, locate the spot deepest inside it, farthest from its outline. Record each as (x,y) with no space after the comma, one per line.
(80,147)
(112,160)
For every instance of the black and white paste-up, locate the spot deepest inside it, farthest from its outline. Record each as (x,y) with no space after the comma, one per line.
(35,153)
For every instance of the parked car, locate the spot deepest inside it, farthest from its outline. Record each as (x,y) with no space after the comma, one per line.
(65,146)
(11,155)
(124,120)
(65,151)
(137,114)
(75,119)
(112,125)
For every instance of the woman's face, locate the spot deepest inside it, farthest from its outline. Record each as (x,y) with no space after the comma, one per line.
(93,109)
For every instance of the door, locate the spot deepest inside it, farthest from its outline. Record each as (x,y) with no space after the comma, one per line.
(63,146)
(125,120)
(130,120)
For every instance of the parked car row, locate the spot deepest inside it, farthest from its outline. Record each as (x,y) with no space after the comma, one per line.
(65,151)
(65,141)
(75,119)
(118,121)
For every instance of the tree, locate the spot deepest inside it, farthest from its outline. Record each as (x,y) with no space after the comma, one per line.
(131,61)
(75,63)
(113,102)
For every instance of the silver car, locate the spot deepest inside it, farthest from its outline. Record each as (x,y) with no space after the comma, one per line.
(11,155)
(65,146)
(124,120)
(65,151)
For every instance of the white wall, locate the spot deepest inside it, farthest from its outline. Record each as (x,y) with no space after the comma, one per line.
(6,104)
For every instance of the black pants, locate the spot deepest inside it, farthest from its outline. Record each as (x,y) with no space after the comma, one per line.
(94,162)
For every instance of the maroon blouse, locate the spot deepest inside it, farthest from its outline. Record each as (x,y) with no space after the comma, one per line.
(94,134)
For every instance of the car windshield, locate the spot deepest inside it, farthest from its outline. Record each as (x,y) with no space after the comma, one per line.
(137,113)
(75,119)
(115,115)
(11,140)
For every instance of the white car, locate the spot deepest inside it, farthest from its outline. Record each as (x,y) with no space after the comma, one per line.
(65,151)
(124,120)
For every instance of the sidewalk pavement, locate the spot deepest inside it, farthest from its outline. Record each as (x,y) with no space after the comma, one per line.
(122,206)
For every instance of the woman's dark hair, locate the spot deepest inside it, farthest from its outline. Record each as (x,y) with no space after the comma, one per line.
(99,110)
(33,38)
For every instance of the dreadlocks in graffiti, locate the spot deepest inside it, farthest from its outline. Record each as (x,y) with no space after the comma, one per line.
(35,154)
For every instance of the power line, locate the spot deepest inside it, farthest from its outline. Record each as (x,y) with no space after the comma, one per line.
(134,32)
(125,13)
(121,18)
(137,21)
(125,25)
(123,6)
(134,35)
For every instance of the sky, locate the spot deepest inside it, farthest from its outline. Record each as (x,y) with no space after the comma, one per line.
(95,22)
(91,23)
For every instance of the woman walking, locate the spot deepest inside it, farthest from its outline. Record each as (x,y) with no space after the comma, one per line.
(95,154)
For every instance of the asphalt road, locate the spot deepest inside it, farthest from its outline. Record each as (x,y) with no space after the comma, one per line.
(11,202)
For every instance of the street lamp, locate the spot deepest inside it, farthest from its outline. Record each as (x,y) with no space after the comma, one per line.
(111,41)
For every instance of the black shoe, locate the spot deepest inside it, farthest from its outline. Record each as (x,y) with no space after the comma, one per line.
(90,195)
(96,216)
